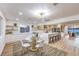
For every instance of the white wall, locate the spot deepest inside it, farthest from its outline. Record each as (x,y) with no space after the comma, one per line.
(2,36)
(17,36)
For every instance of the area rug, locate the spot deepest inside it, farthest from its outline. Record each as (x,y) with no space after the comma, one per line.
(47,51)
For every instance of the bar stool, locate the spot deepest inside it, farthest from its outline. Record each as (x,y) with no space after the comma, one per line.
(53,39)
(50,38)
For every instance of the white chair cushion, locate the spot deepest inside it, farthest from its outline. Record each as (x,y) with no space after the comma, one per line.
(38,46)
(41,44)
(26,45)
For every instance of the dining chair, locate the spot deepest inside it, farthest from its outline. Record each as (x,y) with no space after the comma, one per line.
(40,46)
(25,45)
(28,38)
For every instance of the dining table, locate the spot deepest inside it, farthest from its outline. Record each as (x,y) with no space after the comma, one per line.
(33,44)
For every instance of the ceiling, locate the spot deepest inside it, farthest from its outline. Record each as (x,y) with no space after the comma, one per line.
(61,10)
(71,22)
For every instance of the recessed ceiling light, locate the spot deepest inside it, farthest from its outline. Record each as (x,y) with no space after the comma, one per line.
(17,19)
(20,13)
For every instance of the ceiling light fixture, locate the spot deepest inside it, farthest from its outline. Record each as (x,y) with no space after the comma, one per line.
(20,13)
(17,19)
(41,13)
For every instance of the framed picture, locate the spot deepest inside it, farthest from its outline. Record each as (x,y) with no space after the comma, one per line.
(24,29)
(27,29)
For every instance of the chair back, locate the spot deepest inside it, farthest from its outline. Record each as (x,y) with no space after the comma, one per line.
(24,42)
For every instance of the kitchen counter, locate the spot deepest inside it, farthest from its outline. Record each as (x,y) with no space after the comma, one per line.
(45,36)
